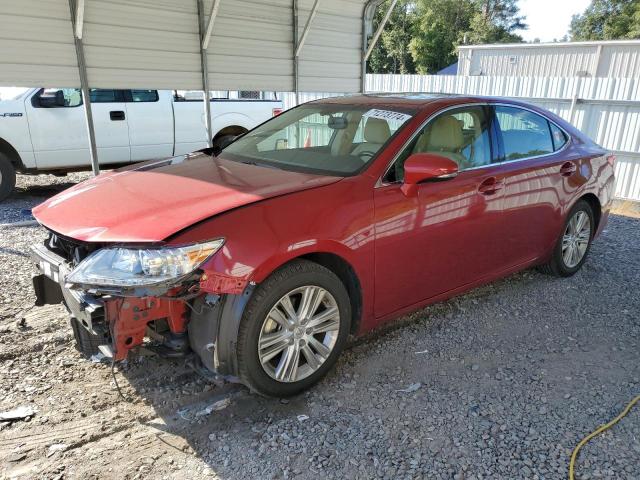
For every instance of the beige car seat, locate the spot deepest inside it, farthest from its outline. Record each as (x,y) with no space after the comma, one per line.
(444,138)
(376,133)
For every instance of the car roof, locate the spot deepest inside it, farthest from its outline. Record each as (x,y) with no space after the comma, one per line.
(415,99)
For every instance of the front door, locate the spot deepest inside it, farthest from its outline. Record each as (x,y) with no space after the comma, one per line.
(59,132)
(150,120)
(450,233)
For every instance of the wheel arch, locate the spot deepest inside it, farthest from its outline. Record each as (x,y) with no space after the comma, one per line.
(342,268)
(230,130)
(12,153)
(595,205)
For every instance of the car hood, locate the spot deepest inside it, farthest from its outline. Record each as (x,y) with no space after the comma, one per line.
(150,202)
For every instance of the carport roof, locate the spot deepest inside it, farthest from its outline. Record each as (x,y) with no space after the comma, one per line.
(157,44)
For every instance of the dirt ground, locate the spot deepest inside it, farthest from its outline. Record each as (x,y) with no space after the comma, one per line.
(499,383)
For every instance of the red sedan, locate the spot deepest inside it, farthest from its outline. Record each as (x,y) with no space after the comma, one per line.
(260,260)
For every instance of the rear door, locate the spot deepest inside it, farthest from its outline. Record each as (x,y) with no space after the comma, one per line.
(150,121)
(538,177)
(59,133)
(450,234)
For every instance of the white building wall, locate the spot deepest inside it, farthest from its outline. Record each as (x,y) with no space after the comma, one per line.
(570,59)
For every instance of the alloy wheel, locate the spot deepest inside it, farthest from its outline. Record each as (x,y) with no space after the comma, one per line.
(575,240)
(299,333)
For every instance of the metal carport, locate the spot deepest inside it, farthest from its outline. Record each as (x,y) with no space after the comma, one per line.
(279,45)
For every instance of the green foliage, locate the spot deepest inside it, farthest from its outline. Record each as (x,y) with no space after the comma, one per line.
(439,28)
(422,35)
(391,54)
(495,22)
(607,20)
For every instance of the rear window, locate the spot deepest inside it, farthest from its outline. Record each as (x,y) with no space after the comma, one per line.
(524,133)
(144,95)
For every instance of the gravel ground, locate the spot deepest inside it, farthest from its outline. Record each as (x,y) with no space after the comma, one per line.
(501,383)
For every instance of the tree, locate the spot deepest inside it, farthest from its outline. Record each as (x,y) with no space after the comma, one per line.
(422,35)
(496,21)
(607,20)
(439,29)
(391,54)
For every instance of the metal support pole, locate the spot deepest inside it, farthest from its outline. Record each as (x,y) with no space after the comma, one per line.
(212,18)
(376,35)
(296,86)
(84,87)
(367,25)
(307,27)
(574,101)
(205,74)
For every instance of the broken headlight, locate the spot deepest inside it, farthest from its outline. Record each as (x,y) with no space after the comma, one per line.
(141,267)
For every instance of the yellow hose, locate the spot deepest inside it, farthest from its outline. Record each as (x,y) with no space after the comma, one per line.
(600,429)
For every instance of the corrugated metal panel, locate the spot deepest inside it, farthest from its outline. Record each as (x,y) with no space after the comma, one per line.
(595,59)
(36,43)
(608,110)
(331,57)
(251,45)
(141,44)
(155,44)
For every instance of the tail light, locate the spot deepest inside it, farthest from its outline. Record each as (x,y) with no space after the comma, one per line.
(276,111)
(611,159)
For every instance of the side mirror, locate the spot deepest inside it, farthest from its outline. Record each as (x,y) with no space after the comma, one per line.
(56,100)
(422,167)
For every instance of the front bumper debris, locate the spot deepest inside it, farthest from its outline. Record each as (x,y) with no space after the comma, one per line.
(189,319)
(121,321)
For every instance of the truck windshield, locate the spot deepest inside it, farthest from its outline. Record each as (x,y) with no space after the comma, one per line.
(329,139)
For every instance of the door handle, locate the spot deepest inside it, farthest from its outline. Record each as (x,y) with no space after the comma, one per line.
(490,186)
(567,169)
(116,115)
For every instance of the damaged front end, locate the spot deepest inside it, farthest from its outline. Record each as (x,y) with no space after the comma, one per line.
(122,297)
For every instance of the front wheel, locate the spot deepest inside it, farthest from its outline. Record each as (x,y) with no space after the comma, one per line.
(573,245)
(293,329)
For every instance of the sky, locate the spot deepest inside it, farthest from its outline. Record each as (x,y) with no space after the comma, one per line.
(549,19)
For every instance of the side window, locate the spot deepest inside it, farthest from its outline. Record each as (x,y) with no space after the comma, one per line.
(524,133)
(144,95)
(558,136)
(99,95)
(60,97)
(461,135)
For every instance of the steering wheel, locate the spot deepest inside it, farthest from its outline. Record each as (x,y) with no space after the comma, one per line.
(364,156)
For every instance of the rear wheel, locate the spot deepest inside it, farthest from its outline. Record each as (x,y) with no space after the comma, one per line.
(293,329)
(573,245)
(7,176)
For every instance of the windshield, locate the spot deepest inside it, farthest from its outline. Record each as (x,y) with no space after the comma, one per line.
(330,139)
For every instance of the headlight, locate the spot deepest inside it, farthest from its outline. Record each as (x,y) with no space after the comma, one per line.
(133,267)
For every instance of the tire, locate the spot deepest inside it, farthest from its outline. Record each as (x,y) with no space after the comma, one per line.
(559,265)
(294,280)
(7,177)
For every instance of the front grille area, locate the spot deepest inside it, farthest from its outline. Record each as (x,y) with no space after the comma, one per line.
(73,251)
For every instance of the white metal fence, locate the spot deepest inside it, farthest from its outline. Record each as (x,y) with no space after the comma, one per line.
(606,109)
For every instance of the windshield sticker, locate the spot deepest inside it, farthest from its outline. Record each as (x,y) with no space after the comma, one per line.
(387,115)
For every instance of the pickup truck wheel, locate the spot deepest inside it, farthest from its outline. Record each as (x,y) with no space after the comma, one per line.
(7,177)
(293,329)
(574,243)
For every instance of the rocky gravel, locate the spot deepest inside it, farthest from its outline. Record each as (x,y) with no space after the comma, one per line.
(499,383)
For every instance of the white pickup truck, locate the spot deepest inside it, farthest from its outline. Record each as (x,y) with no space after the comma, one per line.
(43,130)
